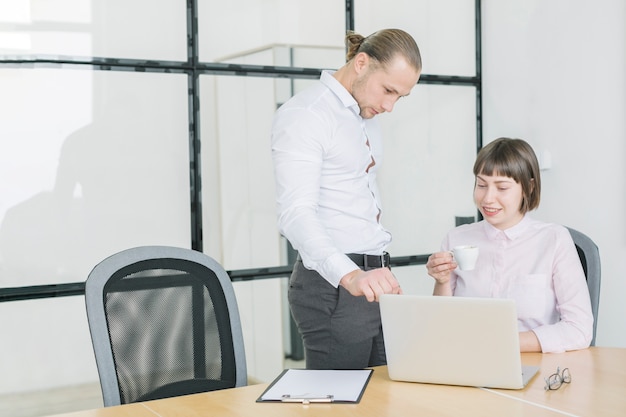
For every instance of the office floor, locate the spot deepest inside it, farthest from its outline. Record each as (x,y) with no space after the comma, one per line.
(54,401)
(65,400)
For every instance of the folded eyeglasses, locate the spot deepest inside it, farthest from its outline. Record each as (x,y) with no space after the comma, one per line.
(557,379)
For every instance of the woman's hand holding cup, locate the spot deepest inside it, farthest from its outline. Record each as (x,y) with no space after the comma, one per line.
(440,265)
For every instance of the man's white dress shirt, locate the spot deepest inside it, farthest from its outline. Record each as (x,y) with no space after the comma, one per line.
(328,201)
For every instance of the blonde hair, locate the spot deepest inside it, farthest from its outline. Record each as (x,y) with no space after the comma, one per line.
(384,45)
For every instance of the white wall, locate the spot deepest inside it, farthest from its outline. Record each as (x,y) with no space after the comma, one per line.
(553,74)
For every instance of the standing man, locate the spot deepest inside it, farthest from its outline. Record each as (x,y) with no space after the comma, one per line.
(327,148)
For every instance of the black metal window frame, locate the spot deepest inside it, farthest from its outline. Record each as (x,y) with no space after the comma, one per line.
(193,68)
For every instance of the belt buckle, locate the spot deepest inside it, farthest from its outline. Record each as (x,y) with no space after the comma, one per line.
(384,259)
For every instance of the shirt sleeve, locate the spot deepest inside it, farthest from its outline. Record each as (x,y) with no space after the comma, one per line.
(574,330)
(298,144)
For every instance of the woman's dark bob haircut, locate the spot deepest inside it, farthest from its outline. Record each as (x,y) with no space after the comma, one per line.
(513,158)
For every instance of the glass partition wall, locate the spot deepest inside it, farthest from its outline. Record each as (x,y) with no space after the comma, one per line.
(141,123)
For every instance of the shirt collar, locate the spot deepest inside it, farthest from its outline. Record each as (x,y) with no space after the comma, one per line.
(511,233)
(339,90)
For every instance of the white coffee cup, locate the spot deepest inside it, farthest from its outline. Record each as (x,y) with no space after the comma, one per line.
(465,256)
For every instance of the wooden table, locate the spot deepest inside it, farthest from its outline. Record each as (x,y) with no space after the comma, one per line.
(598,389)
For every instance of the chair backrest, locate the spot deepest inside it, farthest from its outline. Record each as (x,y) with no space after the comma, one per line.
(590,260)
(164,322)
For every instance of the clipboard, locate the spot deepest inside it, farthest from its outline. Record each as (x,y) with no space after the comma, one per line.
(308,386)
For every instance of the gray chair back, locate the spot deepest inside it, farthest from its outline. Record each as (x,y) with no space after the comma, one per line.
(164,322)
(590,259)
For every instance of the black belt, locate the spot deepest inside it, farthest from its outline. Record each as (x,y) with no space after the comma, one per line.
(370,261)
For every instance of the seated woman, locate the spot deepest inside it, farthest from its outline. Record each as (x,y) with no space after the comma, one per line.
(532,262)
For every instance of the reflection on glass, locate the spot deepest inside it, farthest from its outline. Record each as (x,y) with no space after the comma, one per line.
(228,30)
(238,188)
(141,29)
(290,56)
(92,163)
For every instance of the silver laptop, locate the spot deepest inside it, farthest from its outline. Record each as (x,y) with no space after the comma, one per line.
(453,340)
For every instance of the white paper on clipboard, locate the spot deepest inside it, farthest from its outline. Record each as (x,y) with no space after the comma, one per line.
(318,385)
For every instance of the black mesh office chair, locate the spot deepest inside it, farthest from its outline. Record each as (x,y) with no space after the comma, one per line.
(164,322)
(590,260)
